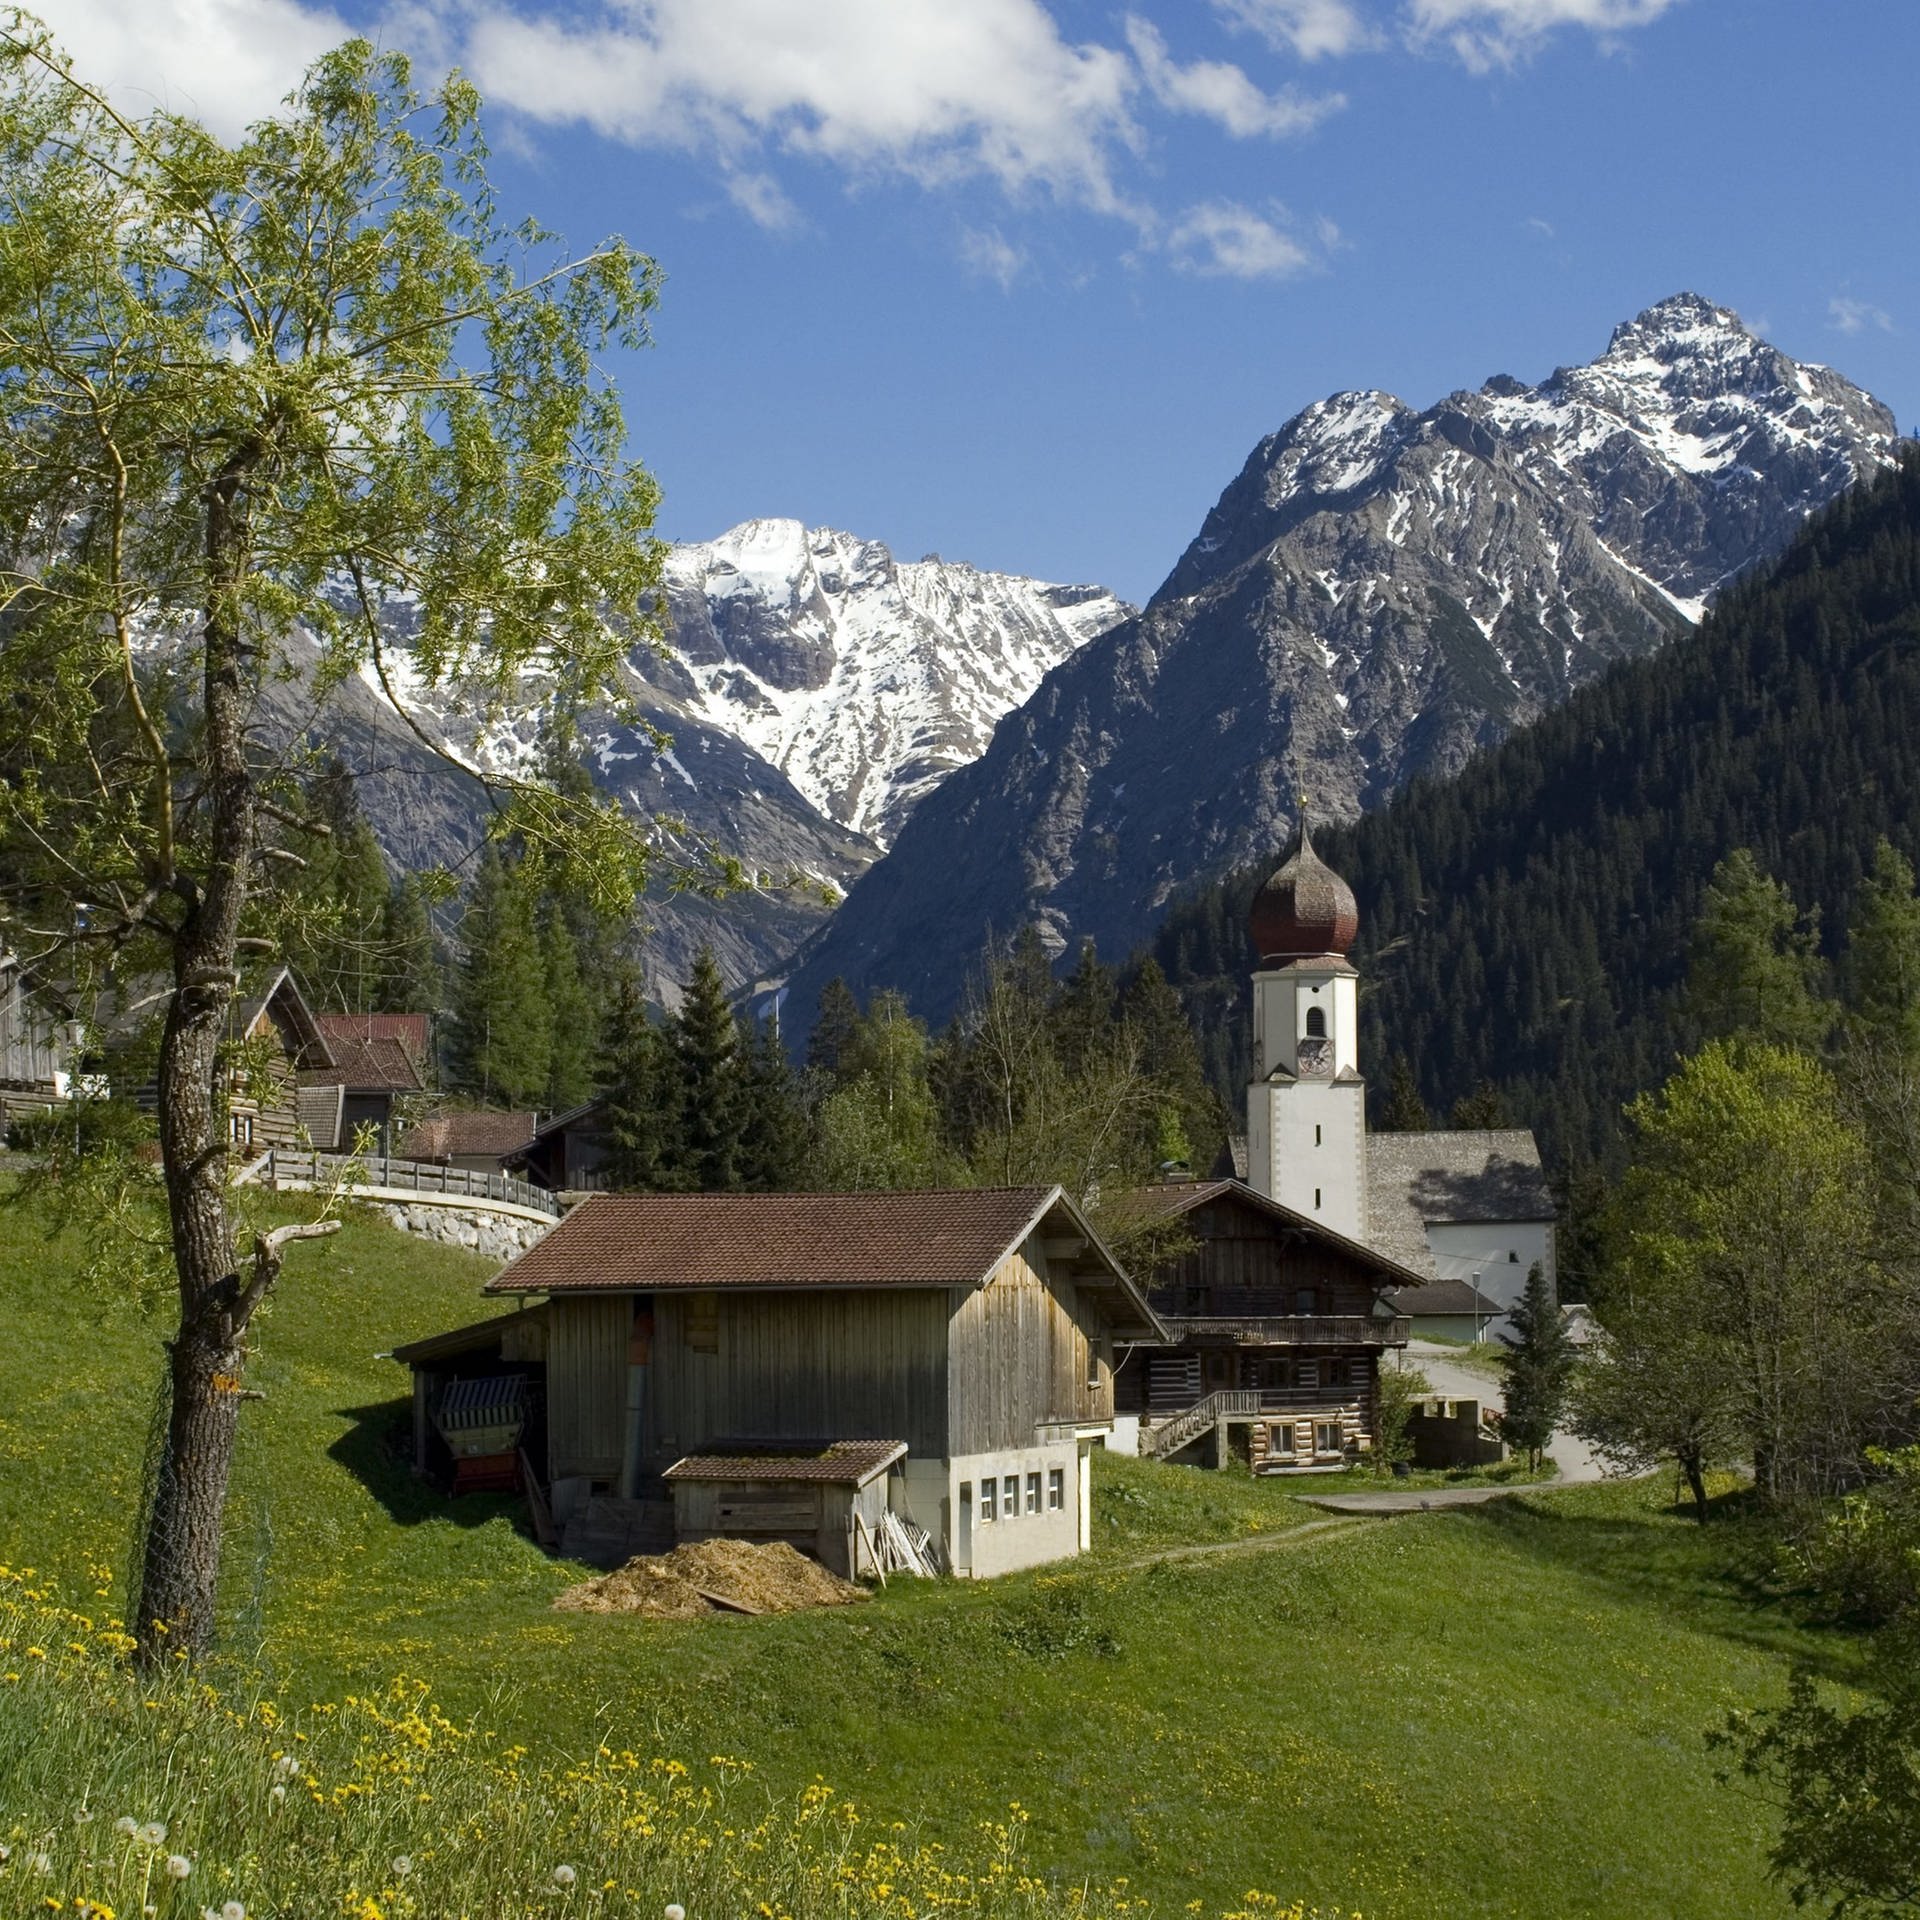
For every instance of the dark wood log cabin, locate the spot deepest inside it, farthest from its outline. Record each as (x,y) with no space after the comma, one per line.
(1277,1329)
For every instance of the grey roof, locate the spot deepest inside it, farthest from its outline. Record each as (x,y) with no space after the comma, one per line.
(1443,1297)
(1414,1178)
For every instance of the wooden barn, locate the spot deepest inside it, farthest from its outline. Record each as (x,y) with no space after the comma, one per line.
(974,1330)
(1276,1326)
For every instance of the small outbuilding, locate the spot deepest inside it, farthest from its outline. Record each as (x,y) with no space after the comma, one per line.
(827,1499)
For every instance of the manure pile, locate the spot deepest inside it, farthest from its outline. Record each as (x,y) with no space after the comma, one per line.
(716,1576)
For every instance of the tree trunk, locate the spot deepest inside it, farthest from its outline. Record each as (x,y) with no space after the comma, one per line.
(1696,1483)
(181,1559)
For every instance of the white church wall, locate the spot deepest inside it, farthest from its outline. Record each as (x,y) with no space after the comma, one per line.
(1493,1255)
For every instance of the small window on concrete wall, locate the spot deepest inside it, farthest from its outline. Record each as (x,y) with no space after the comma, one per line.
(987,1487)
(1056,1489)
(1010,1495)
(1033,1493)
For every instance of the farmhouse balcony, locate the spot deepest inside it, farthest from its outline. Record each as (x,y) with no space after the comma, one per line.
(1191,1319)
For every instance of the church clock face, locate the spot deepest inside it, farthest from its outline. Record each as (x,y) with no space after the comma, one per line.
(1316,1058)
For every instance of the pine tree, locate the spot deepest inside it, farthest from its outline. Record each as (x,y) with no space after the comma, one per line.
(1081,1015)
(1884,956)
(1481,1109)
(705,1048)
(409,968)
(775,1141)
(1403,1111)
(1538,1365)
(570,1014)
(502,1036)
(833,1027)
(1153,1016)
(635,1083)
(335,914)
(1754,967)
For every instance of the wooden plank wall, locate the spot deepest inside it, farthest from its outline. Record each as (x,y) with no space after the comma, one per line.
(850,1364)
(1025,1349)
(1241,1250)
(587,1384)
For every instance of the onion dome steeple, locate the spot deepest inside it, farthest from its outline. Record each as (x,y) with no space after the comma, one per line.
(1304,909)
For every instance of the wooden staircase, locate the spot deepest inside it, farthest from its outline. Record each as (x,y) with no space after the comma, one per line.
(1167,1437)
(608,1531)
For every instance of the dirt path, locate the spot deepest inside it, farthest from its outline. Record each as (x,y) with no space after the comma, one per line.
(1223,1549)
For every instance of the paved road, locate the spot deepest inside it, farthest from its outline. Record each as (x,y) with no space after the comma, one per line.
(1458,1380)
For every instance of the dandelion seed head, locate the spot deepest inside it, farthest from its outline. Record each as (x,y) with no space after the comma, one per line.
(154,1833)
(126,1826)
(402,1865)
(178,1866)
(675,1911)
(276,1794)
(564,1875)
(233,1910)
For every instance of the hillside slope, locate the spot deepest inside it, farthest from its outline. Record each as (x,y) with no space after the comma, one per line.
(1380,593)
(1527,921)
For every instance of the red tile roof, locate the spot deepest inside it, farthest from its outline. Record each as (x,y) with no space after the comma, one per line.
(647,1241)
(410,1029)
(375,1066)
(835,1463)
(443,1136)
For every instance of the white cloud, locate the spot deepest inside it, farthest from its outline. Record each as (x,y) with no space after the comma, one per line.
(763,200)
(1224,240)
(1544,228)
(226,62)
(919,87)
(1856,316)
(1307,28)
(1497,33)
(990,254)
(1221,92)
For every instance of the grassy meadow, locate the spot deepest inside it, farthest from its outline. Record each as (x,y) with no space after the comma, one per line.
(1496,1711)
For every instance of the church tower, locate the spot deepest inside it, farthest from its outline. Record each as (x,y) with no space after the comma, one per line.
(1306,1108)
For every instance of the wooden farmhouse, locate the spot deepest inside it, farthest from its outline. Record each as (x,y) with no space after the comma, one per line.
(482,1139)
(41,1049)
(568,1153)
(371,1076)
(1276,1329)
(717,1349)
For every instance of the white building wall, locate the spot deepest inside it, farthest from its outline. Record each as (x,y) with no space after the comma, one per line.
(1493,1255)
(1307,1148)
(1006,1543)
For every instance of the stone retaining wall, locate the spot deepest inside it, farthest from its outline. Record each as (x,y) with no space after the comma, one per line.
(498,1235)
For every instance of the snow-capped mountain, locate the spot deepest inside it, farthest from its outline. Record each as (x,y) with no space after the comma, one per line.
(863,679)
(1380,591)
(814,691)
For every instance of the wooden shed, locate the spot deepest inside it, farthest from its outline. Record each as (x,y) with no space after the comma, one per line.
(825,1498)
(975,1329)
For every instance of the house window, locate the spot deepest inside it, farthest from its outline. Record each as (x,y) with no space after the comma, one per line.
(1336,1373)
(1327,1437)
(1316,1024)
(1276,1374)
(1306,1300)
(1280,1438)
(1010,1495)
(986,1500)
(1316,1199)
(1056,1489)
(1513,1256)
(1316,1136)
(1033,1493)
(242,1126)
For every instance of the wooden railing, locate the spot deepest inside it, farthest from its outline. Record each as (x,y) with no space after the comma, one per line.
(1171,1435)
(287,1168)
(1292,1329)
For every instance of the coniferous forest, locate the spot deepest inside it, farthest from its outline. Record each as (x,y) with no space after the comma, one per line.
(1525,925)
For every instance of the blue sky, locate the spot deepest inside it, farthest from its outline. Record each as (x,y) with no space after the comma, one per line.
(1023,281)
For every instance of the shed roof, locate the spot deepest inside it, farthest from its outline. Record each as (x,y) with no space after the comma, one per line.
(410,1029)
(375,1065)
(1443,1297)
(657,1242)
(1470,1175)
(442,1136)
(1178,1197)
(836,1463)
(476,1338)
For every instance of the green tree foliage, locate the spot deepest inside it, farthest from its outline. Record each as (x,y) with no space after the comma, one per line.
(1537,1369)
(1483,1107)
(1739,1312)
(335,910)
(1402,1111)
(775,1137)
(705,1155)
(254,391)
(572,1015)
(1755,968)
(1528,921)
(502,1037)
(833,1027)
(1399,1390)
(637,1085)
(1883,957)
(410,979)
(879,1127)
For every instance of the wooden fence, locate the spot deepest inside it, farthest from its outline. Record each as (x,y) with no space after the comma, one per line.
(287,1168)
